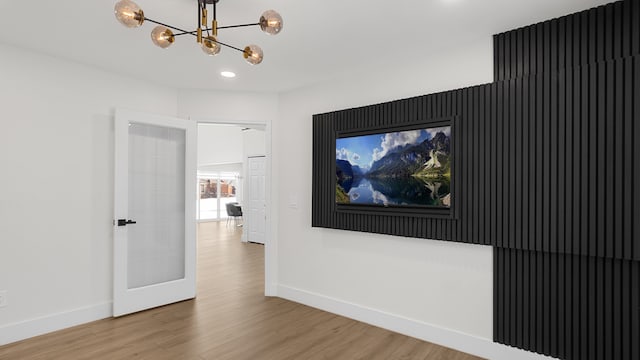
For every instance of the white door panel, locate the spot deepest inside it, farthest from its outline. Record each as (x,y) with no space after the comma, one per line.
(154,258)
(255,217)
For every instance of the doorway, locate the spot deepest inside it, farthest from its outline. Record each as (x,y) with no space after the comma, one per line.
(225,148)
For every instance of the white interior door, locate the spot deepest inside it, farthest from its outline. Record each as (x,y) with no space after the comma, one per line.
(155,203)
(255,217)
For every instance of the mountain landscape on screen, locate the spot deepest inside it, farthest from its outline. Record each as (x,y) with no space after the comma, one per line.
(408,168)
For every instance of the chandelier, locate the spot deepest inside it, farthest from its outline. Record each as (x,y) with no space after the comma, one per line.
(131,15)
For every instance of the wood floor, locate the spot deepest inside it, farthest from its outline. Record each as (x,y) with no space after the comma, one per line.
(231,319)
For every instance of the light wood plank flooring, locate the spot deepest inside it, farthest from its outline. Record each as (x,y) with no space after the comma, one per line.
(231,319)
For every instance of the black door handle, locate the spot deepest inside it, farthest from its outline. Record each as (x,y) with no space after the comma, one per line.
(125,222)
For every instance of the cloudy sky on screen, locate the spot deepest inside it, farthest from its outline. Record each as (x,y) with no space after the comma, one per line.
(364,150)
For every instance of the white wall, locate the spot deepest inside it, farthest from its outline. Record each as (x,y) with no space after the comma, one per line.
(56,187)
(219,144)
(447,285)
(254,143)
(227,107)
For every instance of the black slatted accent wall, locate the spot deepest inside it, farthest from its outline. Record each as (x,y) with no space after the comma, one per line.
(567,306)
(474,172)
(576,294)
(547,170)
(567,161)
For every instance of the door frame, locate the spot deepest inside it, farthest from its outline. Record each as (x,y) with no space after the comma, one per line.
(271,246)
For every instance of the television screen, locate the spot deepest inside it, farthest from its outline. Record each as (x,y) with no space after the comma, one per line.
(395,169)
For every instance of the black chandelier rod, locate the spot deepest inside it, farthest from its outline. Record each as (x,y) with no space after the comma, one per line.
(229,46)
(185,32)
(237,26)
(169,26)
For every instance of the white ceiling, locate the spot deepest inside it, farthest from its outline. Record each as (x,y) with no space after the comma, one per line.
(320,40)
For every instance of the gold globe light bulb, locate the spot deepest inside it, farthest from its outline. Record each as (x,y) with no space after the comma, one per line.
(210,46)
(253,54)
(129,13)
(162,37)
(271,22)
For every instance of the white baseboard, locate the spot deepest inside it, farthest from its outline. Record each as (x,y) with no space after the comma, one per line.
(449,338)
(26,329)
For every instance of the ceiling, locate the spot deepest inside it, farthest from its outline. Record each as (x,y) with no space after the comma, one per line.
(320,39)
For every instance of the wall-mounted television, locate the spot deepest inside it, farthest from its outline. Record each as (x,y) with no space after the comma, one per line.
(395,168)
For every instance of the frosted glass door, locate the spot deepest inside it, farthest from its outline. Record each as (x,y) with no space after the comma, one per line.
(156,202)
(154,236)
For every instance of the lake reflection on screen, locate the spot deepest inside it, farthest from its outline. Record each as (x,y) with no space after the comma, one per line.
(398,191)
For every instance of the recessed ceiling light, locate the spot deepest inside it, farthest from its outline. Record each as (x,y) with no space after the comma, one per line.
(228,74)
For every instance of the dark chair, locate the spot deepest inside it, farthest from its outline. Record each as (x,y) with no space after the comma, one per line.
(234,211)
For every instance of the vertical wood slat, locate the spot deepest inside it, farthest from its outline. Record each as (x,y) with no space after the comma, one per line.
(455,107)
(617,31)
(568,166)
(510,121)
(515,300)
(499,164)
(609,128)
(563,140)
(635,28)
(582,348)
(517,164)
(493,166)
(625,343)
(617,142)
(498,289)
(531,178)
(483,206)
(599,137)
(554,183)
(635,317)
(465,211)
(607,35)
(538,195)
(577,210)
(477,166)
(507,62)
(627,81)
(592,206)
(636,157)
(545,120)
(526,161)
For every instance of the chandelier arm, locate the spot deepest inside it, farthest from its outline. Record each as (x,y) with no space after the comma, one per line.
(237,26)
(229,46)
(169,26)
(186,33)
(220,27)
